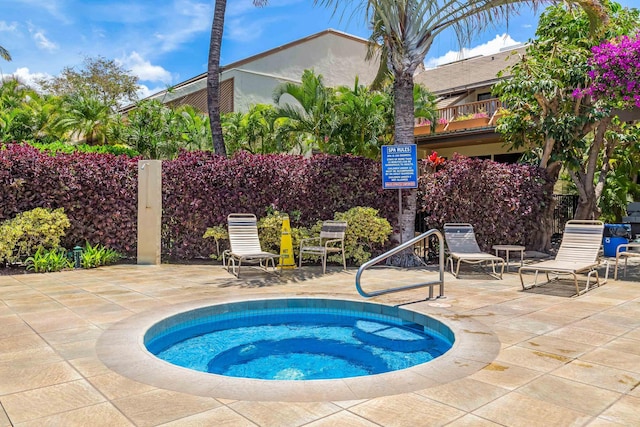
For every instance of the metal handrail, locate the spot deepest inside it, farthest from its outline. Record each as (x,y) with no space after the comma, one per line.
(394,251)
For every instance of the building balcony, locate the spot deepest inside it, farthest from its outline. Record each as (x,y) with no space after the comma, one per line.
(464,117)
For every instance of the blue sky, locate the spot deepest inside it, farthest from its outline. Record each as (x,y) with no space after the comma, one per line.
(165,42)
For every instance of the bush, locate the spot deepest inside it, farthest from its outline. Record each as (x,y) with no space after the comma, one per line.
(201,189)
(23,235)
(503,202)
(95,256)
(59,147)
(270,230)
(366,233)
(97,191)
(44,261)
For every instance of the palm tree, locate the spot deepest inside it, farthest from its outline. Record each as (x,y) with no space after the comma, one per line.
(213,74)
(84,115)
(4,53)
(406,30)
(312,114)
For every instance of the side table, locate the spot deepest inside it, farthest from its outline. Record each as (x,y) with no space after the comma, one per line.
(510,248)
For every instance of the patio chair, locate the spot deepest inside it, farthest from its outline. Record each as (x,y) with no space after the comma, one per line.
(579,252)
(625,251)
(245,244)
(463,247)
(331,240)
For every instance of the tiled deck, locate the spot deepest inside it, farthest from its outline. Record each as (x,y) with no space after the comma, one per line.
(562,361)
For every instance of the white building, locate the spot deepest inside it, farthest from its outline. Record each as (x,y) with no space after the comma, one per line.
(337,56)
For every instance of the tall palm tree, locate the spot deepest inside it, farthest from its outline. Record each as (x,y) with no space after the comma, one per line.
(406,31)
(213,74)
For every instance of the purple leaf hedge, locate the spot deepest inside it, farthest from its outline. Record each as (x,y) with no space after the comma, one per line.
(502,201)
(99,194)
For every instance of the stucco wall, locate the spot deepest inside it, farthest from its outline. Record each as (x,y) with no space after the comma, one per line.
(337,58)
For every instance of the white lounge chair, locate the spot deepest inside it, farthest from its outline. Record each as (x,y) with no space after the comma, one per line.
(245,244)
(463,247)
(579,252)
(331,240)
(625,251)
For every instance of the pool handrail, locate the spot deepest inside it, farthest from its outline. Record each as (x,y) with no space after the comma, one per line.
(400,248)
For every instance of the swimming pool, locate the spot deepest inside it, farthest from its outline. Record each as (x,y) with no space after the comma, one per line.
(121,348)
(298,339)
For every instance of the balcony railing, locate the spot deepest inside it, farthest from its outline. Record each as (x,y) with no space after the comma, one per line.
(448,118)
(488,106)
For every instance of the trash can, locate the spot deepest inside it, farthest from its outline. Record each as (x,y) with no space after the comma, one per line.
(614,236)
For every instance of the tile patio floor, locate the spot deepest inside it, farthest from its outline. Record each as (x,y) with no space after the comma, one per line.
(562,362)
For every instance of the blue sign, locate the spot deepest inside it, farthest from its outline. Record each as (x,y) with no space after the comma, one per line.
(399,166)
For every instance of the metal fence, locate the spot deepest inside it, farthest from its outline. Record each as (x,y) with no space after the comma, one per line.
(564,210)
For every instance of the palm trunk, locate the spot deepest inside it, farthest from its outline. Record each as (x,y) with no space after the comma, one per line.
(403,129)
(213,77)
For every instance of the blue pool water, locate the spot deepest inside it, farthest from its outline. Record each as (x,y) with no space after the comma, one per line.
(296,343)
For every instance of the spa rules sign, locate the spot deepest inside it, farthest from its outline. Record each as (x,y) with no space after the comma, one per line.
(399,166)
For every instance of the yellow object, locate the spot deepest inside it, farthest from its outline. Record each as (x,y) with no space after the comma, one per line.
(286,246)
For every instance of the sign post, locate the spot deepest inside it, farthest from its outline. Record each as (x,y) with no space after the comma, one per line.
(399,169)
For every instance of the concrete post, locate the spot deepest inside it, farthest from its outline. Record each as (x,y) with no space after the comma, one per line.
(149,211)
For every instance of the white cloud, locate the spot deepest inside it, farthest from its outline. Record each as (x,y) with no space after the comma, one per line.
(25,76)
(144,91)
(144,69)
(187,20)
(43,42)
(241,30)
(492,46)
(8,27)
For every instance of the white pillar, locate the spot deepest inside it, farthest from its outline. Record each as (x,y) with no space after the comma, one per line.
(149,211)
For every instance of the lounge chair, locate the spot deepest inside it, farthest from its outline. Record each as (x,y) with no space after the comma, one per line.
(625,251)
(331,240)
(463,247)
(579,252)
(245,244)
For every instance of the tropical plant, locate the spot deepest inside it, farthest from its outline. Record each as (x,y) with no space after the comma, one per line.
(153,130)
(258,131)
(547,114)
(406,30)
(85,117)
(96,255)
(616,71)
(213,74)
(195,133)
(44,260)
(309,108)
(363,121)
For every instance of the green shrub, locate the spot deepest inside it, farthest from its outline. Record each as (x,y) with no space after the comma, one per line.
(44,260)
(270,230)
(54,148)
(217,233)
(95,256)
(22,236)
(366,233)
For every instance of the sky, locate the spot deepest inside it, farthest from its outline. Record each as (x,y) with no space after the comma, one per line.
(164,42)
